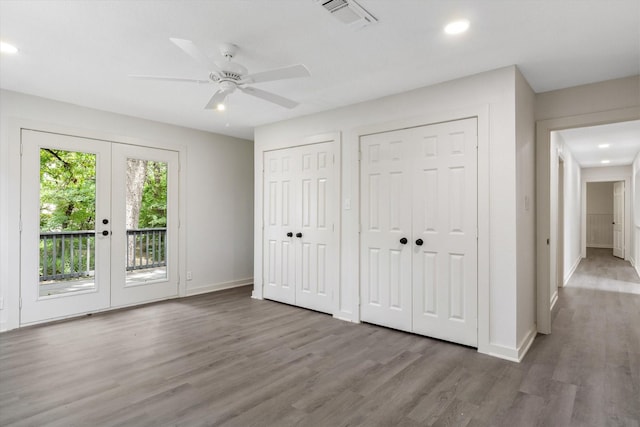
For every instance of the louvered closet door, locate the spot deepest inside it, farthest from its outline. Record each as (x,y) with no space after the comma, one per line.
(445,219)
(279,215)
(301,254)
(385,204)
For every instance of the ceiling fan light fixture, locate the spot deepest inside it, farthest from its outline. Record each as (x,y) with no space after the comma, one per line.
(8,48)
(457,27)
(221,107)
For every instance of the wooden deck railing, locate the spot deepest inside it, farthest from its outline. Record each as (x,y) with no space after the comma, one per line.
(71,254)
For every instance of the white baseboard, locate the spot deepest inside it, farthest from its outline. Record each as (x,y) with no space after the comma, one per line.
(526,342)
(501,352)
(509,353)
(599,245)
(571,271)
(218,286)
(554,299)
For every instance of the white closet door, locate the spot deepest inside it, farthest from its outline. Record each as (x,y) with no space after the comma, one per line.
(385,203)
(301,254)
(316,250)
(618,219)
(279,227)
(444,231)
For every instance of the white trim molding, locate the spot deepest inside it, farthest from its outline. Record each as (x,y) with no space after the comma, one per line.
(214,287)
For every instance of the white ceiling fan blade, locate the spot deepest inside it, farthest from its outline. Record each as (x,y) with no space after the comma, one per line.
(216,99)
(290,72)
(268,96)
(194,51)
(167,78)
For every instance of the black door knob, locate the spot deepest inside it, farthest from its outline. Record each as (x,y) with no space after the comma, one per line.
(105,221)
(105,233)
(419,242)
(298,235)
(404,240)
(289,234)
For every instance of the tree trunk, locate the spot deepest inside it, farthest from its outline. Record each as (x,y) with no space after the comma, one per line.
(136,177)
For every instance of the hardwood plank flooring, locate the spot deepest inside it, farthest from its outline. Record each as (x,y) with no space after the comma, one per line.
(225,359)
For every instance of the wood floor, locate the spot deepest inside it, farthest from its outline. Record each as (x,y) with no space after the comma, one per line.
(225,359)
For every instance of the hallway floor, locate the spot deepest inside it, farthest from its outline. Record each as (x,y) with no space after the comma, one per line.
(600,270)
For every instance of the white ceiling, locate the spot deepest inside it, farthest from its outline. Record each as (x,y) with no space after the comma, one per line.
(82,51)
(623,139)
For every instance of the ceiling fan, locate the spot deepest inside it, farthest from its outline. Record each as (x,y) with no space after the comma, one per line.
(229,75)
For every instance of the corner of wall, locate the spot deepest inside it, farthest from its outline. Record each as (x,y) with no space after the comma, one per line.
(525,206)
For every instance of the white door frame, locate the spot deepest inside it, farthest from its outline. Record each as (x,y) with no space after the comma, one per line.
(545,205)
(13,130)
(482,113)
(258,238)
(611,174)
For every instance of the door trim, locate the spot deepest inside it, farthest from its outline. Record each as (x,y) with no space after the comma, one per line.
(258,238)
(11,320)
(482,114)
(545,206)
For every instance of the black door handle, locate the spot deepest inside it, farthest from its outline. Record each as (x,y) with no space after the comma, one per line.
(289,234)
(419,242)
(404,240)
(105,221)
(298,235)
(105,233)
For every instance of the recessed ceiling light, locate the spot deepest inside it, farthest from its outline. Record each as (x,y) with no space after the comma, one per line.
(457,27)
(604,162)
(221,107)
(603,145)
(8,48)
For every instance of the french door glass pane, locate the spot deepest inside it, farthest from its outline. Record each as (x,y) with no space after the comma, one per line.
(67,221)
(146,221)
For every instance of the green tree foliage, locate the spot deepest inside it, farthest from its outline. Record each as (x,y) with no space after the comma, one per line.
(67,190)
(153,210)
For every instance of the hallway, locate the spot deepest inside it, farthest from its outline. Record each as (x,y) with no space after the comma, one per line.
(591,360)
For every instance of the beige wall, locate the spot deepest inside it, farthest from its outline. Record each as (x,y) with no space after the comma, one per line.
(600,198)
(525,210)
(596,97)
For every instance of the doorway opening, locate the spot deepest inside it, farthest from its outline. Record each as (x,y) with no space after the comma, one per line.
(594,148)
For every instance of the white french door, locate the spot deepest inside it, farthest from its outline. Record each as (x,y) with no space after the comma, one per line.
(143,259)
(75,242)
(418,244)
(300,238)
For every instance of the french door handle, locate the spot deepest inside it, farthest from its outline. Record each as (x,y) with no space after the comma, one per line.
(105,232)
(404,240)
(419,242)
(298,235)
(289,234)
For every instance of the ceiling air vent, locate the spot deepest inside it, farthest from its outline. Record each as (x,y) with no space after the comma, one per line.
(348,12)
